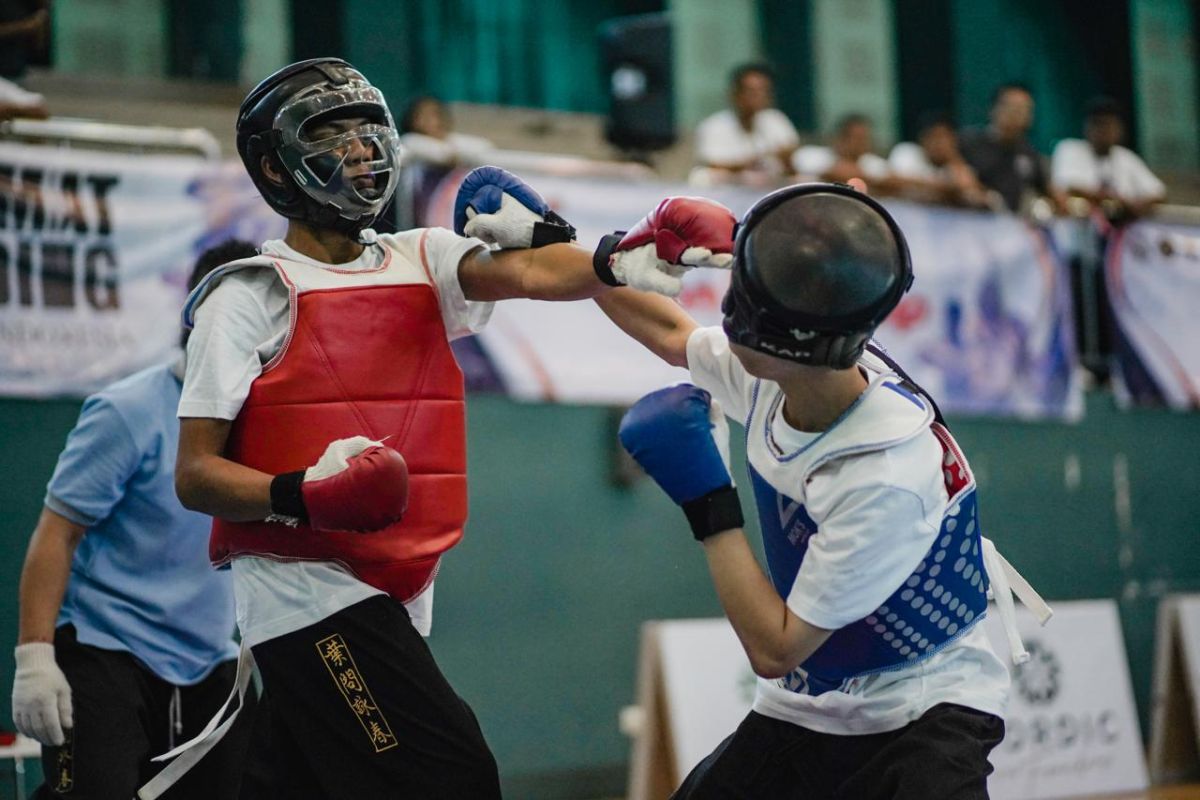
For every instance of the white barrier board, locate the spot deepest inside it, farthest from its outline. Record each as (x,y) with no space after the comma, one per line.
(1071,729)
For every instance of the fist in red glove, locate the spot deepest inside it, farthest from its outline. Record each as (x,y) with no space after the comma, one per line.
(682,232)
(357,485)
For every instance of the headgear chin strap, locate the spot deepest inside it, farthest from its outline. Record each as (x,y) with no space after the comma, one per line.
(817,267)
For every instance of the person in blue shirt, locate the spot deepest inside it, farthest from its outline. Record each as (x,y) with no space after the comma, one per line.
(126,632)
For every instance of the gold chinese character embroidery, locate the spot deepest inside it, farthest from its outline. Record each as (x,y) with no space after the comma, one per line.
(350,682)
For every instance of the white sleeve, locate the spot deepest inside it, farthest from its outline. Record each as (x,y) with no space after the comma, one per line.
(780,131)
(240,326)
(719,142)
(1146,184)
(874,166)
(813,160)
(445,250)
(716,370)
(427,149)
(908,160)
(869,538)
(1070,167)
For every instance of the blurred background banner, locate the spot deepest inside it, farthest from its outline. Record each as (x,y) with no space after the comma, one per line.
(1153,277)
(986,327)
(94,253)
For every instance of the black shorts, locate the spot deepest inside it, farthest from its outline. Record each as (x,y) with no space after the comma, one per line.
(941,756)
(123,718)
(358,708)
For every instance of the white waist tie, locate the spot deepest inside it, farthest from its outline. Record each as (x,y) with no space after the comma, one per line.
(188,754)
(1005,582)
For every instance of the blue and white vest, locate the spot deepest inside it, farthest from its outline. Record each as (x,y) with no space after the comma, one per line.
(947,593)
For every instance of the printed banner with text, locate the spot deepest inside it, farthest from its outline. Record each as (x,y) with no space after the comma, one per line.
(986,327)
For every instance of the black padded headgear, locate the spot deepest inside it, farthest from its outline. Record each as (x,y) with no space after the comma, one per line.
(274,121)
(816,268)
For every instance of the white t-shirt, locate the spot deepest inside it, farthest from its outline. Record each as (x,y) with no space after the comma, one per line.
(908,160)
(877,515)
(239,327)
(456,148)
(721,139)
(815,161)
(1075,165)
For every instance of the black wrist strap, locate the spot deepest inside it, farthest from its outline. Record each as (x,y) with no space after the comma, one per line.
(553,230)
(600,258)
(716,511)
(287,500)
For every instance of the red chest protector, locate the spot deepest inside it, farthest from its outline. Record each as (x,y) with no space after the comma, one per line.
(370,357)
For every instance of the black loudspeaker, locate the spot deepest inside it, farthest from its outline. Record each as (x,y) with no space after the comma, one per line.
(636,54)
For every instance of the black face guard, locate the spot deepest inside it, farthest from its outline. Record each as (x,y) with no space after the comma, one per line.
(816,306)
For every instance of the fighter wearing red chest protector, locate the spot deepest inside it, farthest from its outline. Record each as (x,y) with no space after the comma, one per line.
(322,427)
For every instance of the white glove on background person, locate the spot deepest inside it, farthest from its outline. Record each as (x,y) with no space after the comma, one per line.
(41,698)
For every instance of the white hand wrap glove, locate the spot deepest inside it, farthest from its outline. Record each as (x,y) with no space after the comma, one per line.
(41,697)
(510,227)
(641,268)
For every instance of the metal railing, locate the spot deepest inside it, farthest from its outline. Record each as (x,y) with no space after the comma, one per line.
(69,131)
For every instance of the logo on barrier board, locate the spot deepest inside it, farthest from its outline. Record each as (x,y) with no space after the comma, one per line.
(1037,680)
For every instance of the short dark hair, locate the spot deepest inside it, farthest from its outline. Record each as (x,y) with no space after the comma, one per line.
(1103,106)
(409,115)
(1009,86)
(750,68)
(847,121)
(935,119)
(216,256)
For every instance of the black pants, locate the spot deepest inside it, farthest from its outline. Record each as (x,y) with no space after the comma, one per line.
(941,756)
(359,709)
(123,718)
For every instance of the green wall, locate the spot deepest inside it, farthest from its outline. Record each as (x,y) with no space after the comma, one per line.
(537,611)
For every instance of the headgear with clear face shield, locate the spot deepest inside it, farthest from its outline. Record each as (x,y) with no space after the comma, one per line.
(333,175)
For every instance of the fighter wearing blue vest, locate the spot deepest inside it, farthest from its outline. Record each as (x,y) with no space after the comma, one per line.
(875,679)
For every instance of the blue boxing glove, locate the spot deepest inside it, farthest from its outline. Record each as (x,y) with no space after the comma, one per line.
(499,208)
(680,437)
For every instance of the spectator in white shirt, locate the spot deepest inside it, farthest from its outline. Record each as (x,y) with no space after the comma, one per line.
(848,156)
(1097,168)
(428,135)
(932,170)
(752,140)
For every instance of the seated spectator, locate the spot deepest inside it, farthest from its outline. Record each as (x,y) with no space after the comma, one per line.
(752,140)
(1097,168)
(932,170)
(1003,157)
(848,156)
(427,134)
(19,35)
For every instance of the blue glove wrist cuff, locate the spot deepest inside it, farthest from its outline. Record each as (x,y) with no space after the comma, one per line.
(717,511)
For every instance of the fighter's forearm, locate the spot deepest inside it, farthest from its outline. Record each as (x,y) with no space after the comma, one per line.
(44,576)
(554,272)
(207,482)
(656,321)
(222,488)
(775,639)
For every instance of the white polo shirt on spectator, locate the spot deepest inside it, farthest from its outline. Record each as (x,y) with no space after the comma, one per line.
(815,160)
(1075,165)
(721,139)
(908,160)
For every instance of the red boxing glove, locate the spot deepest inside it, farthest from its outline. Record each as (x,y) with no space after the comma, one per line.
(682,227)
(682,232)
(357,485)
